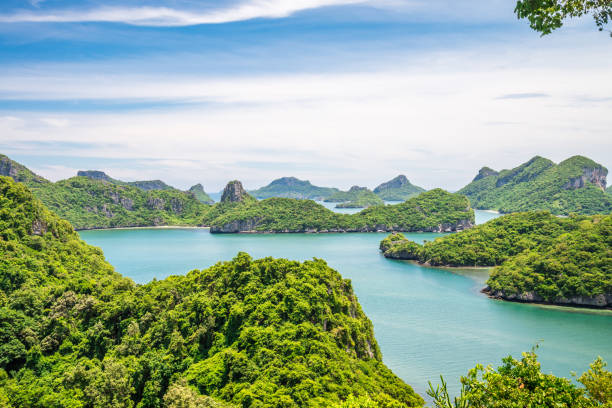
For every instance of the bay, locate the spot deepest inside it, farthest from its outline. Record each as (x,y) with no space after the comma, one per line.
(428,321)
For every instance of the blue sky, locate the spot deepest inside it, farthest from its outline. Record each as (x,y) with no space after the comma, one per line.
(340,92)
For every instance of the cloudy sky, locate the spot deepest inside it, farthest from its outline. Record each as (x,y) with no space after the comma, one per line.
(339,92)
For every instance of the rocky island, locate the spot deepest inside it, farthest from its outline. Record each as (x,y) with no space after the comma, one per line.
(436,210)
(536,257)
(575,185)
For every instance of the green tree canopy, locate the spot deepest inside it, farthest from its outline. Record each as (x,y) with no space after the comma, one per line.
(548,15)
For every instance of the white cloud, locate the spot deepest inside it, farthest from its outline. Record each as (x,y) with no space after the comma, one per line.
(164,16)
(436,119)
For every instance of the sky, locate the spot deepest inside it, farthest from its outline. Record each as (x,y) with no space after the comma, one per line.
(338,92)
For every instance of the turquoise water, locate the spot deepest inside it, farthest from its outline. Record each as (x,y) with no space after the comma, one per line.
(428,321)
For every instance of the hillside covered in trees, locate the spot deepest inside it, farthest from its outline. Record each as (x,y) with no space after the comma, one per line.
(435,210)
(574,185)
(537,257)
(95,200)
(248,333)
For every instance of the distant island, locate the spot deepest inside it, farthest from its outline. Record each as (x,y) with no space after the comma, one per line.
(575,185)
(145,185)
(435,210)
(200,195)
(355,197)
(93,199)
(291,187)
(397,189)
(537,257)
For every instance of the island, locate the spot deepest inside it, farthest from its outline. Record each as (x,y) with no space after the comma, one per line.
(245,332)
(536,257)
(355,197)
(238,212)
(95,200)
(576,185)
(291,187)
(200,195)
(397,189)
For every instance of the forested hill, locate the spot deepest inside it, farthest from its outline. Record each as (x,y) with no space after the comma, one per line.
(397,189)
(538,257)
(291,187)
(574,185)
(245,333)
(435,210)
(95,200)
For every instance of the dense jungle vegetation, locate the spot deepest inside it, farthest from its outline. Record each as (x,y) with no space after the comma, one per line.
(430,211)
(555,258)
(89,202)
(250,333)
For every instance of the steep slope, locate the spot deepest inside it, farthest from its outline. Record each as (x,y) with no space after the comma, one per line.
(397,189)
(253,333)
(19,172)
(355,197)
(574,185)
(291,187)
(539,257)
(435,210)
(95,202)
(200,195)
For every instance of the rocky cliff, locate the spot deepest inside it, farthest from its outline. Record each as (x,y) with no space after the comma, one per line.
(593,175)
(235,193)
(485,172)
(18,172)
(576,185)
(97,175)
(599,301)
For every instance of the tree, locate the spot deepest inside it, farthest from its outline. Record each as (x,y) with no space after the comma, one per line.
(548,15)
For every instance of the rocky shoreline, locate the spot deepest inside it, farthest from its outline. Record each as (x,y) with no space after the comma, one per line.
(598,302)
(250,227)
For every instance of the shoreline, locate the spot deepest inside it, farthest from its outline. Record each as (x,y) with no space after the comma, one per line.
(137,228)
(561,306)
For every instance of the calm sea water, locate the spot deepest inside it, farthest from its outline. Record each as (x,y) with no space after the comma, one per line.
(428,321)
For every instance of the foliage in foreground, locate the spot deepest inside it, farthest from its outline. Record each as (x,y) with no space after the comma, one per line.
(521,383)
(545,16)
(535,252)
(254,333)
(430,211)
